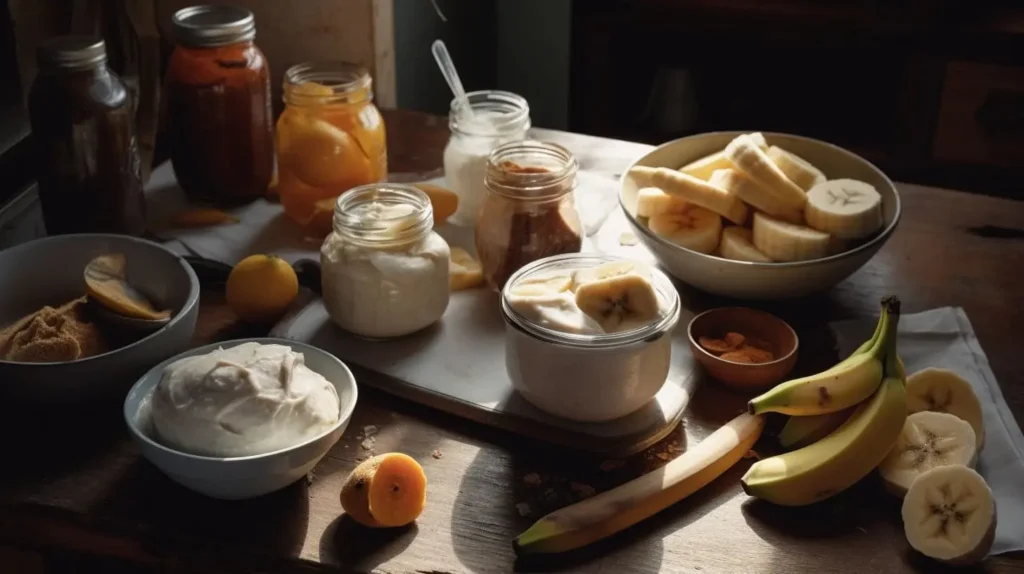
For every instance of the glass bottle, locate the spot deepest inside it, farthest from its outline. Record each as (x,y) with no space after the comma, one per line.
(530,212)
(330,138)
(84,135)
(384,270)
(219,121)
(498,118)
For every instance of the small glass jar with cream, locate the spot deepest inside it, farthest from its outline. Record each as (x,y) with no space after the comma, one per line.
(497,118)
(384,269)
(588,336)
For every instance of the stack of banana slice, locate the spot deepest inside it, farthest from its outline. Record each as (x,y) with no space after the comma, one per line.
(780,207)
(923,434)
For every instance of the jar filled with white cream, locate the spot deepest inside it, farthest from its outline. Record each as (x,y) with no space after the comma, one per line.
(587,336)
(384,269)
(497,118)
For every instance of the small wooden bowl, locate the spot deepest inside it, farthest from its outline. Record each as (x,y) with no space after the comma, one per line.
(753,324)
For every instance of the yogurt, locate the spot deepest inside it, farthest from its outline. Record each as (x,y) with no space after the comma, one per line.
(581,366)
(247,400)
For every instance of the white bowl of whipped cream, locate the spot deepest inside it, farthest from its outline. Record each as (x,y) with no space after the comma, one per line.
(241,419)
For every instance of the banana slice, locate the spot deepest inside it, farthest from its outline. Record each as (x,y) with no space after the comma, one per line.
(758,197)
(707,165)
(846,208)
(928,440)
(693,190)
(464,272)
(619,301)
(755,164)
(737,244)
(944,391)
(949,514)
(784,241)
(696,228)
(651,201)
(797,169)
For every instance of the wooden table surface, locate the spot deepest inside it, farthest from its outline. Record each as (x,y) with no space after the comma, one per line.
(80,484)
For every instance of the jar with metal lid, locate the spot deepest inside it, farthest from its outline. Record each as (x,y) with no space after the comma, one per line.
(497,118)
(384,270)
(84,136)
(530,211)
(219,121)
(330,139)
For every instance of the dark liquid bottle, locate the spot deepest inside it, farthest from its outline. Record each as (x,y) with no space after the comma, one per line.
(84,136)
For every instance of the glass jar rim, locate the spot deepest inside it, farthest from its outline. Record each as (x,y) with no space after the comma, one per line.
(507,112)
(212,25)
(384,231)
(345,79)
(545,185)
(666,291)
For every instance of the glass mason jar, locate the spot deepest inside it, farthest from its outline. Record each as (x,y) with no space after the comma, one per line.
(330,139)
(84,136)
(498,118)
(219,121)
(530,212)
(384,270)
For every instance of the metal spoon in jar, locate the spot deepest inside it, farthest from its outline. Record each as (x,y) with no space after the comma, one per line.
(451,75)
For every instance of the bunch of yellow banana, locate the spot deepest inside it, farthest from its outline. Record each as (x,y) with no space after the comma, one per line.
(845,421)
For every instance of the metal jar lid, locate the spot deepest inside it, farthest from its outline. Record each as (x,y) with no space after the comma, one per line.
(213,25)
(69,53)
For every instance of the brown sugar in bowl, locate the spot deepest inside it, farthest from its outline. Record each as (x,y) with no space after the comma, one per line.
(754,325)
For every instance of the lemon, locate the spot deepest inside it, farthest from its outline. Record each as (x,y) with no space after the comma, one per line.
(260,288)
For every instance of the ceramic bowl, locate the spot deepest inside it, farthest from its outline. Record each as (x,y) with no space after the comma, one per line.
(762,281)
(237,478)
(49,272)
(753,324)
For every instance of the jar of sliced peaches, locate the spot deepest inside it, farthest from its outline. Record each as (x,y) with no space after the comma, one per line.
(330,139)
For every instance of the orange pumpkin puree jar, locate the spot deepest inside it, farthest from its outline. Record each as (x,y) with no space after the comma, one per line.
(330,139)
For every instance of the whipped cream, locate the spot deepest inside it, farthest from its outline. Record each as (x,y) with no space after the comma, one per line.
(247,400)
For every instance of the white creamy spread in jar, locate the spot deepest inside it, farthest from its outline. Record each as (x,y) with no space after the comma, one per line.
(378,290)
(465,163)
(247,400)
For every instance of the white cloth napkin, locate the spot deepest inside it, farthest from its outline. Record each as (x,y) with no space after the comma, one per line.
(944,338)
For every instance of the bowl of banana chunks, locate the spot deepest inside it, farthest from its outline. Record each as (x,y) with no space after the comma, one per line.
(756,215)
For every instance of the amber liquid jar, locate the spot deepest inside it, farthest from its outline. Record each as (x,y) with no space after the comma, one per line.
(530,212)
(84,138)
(219,121)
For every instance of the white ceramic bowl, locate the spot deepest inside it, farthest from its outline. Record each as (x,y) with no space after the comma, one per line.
(748,280)
(248,476)
(588,378)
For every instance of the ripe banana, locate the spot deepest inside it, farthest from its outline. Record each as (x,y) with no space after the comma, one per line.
(840,387)
(784,241)
(696,228)
(928,440)
(464,272)
(949,514)
(609,512)
(734,182)
(799,432)
(944,391)
(796,169)
(618,296)
(693,190)
(651,201)
(836,462)
(705,166)
(846,208)
(736,244)
(747,157)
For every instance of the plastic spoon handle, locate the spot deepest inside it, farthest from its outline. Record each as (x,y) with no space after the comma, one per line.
(451,75)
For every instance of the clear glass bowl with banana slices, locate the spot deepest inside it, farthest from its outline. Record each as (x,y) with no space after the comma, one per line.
(588,336)
(759,215)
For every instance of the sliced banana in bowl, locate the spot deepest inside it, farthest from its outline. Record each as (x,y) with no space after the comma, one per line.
(949,514)
(617,295)
(928,440)
(944,391)
(695,228)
